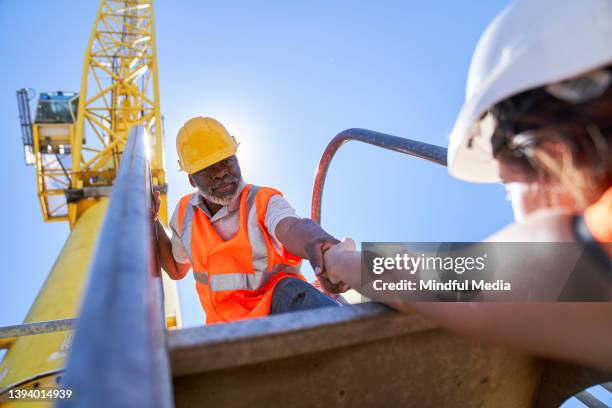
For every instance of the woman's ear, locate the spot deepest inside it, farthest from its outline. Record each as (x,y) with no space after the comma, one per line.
(555,157)
(556,148)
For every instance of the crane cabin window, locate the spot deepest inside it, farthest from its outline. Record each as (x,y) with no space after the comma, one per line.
(57,107)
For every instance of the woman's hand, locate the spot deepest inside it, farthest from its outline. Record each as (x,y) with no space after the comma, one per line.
(337,268)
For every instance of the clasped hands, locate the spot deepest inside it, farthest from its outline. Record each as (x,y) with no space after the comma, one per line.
(335,272)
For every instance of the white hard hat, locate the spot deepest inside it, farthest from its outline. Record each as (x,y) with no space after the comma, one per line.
(532,43)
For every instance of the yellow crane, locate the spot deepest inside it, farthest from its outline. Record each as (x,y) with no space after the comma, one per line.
(76,143)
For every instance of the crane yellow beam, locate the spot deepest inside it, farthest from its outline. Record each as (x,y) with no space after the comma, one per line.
(119,90)
(43,355)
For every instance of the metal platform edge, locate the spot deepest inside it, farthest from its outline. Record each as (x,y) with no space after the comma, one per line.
(199,349)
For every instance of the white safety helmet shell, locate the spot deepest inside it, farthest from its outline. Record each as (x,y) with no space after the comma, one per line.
(532,43)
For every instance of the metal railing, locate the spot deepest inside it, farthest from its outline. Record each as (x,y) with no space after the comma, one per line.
(119,356)
(29,329)
(426,151)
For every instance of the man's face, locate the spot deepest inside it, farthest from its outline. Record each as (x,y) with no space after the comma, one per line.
(220,182)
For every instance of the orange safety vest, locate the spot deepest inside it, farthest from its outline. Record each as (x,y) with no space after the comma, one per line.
(235,279)
(598,219)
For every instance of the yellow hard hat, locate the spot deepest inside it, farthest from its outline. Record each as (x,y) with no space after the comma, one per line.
(202,142)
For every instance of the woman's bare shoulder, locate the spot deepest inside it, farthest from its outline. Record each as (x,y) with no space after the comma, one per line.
(543,226)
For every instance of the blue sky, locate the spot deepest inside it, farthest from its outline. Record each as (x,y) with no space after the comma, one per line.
(284,77)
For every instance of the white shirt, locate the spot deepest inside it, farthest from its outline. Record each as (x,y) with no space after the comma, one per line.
(226,222)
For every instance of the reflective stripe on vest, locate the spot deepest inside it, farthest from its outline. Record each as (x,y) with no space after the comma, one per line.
(241,281)
(186,230)
(238,280)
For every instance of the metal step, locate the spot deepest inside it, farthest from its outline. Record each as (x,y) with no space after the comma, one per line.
(360,355)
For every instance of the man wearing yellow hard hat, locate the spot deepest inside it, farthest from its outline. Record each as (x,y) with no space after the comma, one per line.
(243,242)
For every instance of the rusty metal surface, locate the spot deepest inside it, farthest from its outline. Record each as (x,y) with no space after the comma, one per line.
(425,151)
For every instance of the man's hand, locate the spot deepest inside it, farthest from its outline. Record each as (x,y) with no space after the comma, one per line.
(329,287)
(315,249)
(305,238)
(337,270)
(163,245)
(155,206)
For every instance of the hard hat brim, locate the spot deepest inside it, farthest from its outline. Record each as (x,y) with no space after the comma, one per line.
(210,160)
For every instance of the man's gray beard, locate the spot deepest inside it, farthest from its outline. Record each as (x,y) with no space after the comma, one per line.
(224,200)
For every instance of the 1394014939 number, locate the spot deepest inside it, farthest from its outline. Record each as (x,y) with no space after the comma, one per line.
(45,394)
